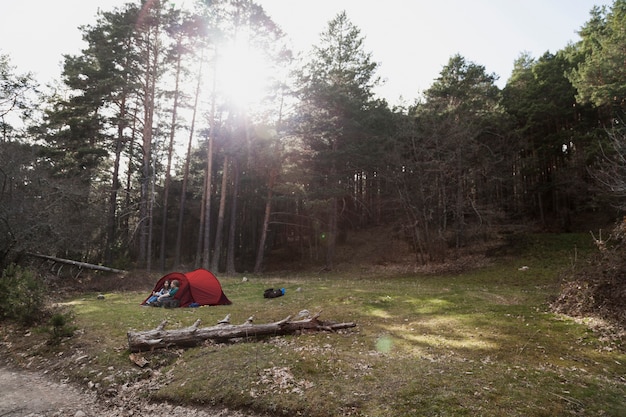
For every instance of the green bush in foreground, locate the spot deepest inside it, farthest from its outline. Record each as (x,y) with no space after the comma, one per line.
(21,296)
(60,327)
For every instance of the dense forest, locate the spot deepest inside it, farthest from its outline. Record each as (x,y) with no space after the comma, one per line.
(150,152)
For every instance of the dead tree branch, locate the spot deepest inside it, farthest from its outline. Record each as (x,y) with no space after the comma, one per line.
(76,263)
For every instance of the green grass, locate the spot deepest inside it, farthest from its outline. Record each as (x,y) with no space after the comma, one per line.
(482,343)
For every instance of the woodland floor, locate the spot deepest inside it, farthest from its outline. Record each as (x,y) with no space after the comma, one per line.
(38,392)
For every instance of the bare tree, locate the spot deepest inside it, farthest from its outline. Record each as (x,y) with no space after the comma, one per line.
(611,172)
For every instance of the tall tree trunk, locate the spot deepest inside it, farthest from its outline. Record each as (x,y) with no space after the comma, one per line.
(232,230)
(198,258)
(331,238)
(150,222)
(145,178)
(129,179)
(151,75)
(115,186)
(260,253)
(183,193)
(219,230)
(170,153)
(206,249)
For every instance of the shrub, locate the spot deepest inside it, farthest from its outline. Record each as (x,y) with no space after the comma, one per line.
(21,296)
(60,327)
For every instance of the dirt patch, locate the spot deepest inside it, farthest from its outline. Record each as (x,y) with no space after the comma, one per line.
(34,385)
(26,393)
(38,394)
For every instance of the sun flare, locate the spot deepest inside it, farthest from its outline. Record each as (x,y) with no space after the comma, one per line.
(244,73)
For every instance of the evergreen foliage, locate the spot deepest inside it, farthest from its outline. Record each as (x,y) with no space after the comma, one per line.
(60,327)
(100,174)
(22,296)
(335,93)
(600,76)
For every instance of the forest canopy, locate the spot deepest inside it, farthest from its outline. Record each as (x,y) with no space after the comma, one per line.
(197,138)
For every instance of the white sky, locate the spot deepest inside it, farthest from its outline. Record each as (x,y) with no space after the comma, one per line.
(411,39)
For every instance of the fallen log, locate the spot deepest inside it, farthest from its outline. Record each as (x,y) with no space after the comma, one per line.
(76,263)
(193,335)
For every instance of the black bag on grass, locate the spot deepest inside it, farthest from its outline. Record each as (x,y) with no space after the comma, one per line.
(272,293)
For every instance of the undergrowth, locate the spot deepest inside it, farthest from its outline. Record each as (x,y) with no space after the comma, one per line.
(597,287)
(22,296)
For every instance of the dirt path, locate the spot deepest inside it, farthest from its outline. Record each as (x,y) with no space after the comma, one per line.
(25,393)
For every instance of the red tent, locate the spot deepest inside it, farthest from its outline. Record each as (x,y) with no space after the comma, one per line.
(199,287)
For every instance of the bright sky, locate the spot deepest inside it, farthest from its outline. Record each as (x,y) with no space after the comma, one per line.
(411,39)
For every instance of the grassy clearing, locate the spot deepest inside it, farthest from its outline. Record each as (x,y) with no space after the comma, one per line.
(478,343)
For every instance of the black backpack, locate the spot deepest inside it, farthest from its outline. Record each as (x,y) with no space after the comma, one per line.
(272,293)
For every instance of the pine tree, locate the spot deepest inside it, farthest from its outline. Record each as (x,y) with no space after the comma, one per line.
(335,93)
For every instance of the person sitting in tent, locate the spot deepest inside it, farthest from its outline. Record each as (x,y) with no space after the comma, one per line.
(155,294)
(170,294)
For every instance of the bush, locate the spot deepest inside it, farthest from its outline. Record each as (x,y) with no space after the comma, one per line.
(21,296)
(60,327)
